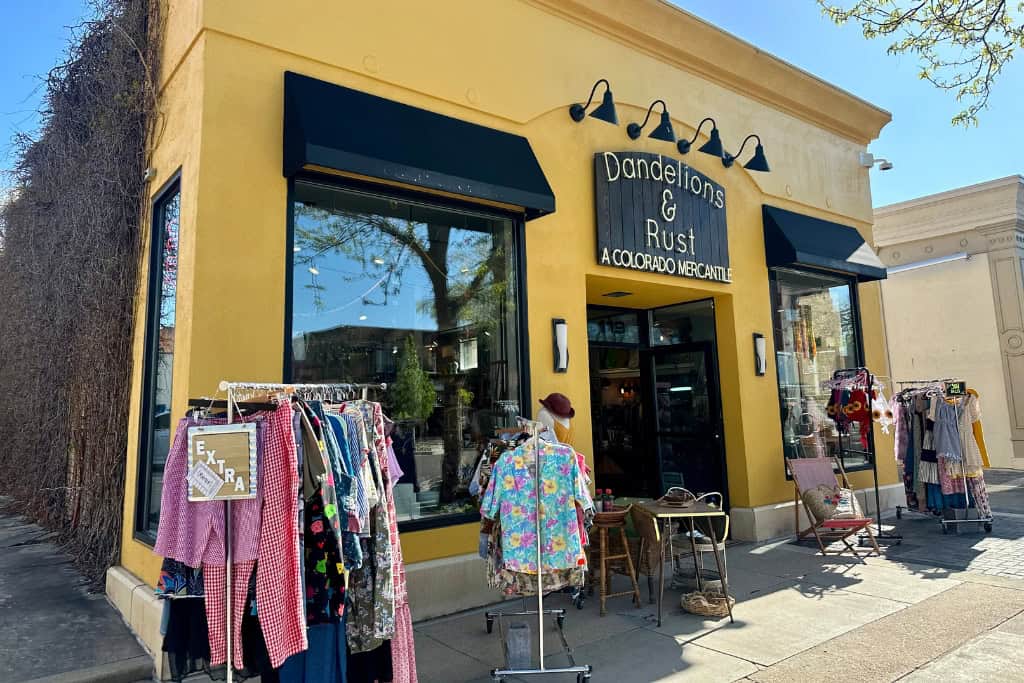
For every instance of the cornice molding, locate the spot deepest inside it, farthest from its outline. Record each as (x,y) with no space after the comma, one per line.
(952,195)
(689,43)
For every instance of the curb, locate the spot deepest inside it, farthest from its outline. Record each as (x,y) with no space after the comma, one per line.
(125,671)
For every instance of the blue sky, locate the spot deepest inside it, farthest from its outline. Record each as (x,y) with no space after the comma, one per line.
(33,37)
(929,154)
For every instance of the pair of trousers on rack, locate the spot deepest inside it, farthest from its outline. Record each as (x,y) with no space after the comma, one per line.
(265,529)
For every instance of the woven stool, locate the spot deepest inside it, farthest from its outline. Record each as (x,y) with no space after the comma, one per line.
(613,524)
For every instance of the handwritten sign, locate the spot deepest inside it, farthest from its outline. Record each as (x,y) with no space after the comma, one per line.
(222,462)
(956,388)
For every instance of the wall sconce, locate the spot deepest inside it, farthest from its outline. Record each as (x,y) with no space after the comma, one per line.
(758,162)
(662,132)
(604,112)
(713,146)
(760,355)
(560,337)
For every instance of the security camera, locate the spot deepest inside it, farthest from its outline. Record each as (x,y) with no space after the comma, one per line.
(867,160)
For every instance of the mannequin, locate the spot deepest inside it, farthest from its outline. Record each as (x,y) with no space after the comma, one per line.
(556,414)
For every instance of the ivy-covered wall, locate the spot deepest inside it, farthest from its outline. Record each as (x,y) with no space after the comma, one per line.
(70,236)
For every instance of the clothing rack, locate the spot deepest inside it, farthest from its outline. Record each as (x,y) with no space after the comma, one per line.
(582,671)
(329,389)
(853,374)
(233,406)
(985,521)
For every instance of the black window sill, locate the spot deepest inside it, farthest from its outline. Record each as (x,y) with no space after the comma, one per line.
(438,521)
(424,524)
(145,537)
(849,470)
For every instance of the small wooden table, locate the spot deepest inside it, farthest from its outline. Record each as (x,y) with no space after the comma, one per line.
(665,514)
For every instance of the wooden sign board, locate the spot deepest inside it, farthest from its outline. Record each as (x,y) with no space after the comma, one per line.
(222,462)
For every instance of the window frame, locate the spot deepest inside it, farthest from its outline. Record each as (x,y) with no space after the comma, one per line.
(144,471)
(852,283)
(518,221)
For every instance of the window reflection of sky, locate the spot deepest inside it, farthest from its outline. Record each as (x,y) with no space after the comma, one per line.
(351,290)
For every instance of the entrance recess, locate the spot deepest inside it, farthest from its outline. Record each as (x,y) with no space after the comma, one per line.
(655,399)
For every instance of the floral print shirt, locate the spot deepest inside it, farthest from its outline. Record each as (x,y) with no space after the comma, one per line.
(511,497)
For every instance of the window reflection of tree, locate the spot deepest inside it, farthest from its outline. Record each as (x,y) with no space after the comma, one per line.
(468,271)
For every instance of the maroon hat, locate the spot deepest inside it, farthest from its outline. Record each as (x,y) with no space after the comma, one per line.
(559,405)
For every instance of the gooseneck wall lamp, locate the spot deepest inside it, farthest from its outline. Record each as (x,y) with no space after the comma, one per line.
(604,111)
(662,132)
(758,162)
(713,146)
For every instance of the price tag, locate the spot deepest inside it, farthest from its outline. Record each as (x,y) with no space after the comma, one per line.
(204,480)
(956,388)
(222,462)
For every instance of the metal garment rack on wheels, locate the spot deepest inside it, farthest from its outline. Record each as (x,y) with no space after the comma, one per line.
(233,388)
(850,374)
(985,521)
(582,671)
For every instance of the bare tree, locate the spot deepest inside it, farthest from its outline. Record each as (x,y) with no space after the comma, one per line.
(962,45)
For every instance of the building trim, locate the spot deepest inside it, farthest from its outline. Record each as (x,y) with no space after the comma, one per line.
(890,209)
(681,39)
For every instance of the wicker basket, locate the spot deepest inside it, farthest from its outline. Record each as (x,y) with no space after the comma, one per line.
(706,604)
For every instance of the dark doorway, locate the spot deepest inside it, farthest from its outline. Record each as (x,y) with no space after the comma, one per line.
(655,399)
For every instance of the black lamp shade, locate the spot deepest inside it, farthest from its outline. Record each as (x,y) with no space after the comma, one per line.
(606,110)
(664,130)
(714,144)
(758,162)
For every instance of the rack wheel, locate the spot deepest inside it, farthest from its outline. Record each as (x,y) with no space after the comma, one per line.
(561,621)
(580,599)
(988,527)
(490,628)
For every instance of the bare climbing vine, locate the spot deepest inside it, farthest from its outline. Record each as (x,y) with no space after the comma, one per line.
(70,240)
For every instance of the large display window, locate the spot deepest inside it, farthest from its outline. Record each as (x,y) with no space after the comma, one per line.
(426,298)
(817,331)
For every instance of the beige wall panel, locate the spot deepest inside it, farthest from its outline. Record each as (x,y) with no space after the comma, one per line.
(939,324)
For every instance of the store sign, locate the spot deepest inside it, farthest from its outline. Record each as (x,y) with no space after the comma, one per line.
(656,214)
(222,462)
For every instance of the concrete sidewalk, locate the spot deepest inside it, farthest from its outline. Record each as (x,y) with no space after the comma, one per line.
(51,628)
(799,616)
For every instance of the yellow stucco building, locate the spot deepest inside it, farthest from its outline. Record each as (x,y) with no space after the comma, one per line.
(314,160)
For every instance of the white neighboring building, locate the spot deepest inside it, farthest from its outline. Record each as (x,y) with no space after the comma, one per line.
(957,309)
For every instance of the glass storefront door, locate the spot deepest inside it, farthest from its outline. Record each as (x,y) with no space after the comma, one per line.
(656,409)
(687,423)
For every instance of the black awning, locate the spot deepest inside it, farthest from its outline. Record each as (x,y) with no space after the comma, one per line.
(793,239)
(347,130)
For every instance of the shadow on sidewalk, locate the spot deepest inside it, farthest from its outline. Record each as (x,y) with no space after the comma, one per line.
(49,622)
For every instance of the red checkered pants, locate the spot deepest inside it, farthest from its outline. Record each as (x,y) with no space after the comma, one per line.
(279,600)
(215,616)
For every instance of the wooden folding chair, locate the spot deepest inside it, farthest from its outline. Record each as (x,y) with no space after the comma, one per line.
(808,474)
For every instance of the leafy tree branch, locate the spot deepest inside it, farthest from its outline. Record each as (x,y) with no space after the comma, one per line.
(962,45)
